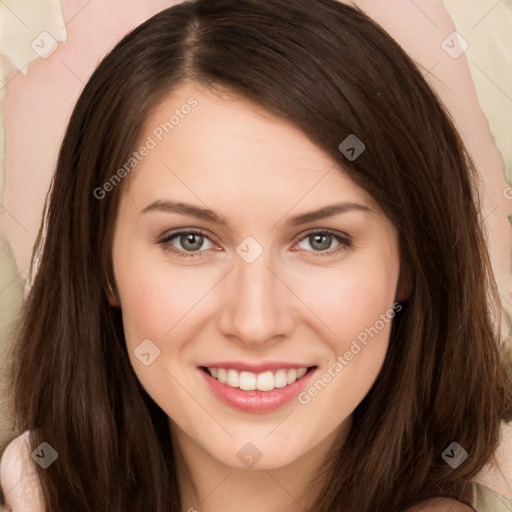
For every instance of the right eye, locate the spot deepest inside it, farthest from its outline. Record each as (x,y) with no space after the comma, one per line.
(191,242)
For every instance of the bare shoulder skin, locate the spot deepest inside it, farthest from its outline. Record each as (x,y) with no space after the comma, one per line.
(18,478)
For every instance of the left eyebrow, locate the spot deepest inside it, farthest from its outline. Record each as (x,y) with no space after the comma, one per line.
(328,211)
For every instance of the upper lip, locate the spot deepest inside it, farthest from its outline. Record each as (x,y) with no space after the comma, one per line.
(255,368)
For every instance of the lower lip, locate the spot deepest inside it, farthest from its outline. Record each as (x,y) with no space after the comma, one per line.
(257,401)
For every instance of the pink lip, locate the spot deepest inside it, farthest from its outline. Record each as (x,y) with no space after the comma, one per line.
(256,401)
(255,368)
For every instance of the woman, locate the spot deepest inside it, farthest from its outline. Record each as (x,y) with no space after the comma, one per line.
(261,281)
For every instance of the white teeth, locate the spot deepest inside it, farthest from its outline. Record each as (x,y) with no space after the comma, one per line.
(249,381)
(280,380)
(265,381)
(291,376)
(232,379)
(222,375)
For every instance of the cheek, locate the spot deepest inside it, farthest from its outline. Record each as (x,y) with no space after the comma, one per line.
(160,301)
(148,293)
(358,310)
(348,302)
(152,301)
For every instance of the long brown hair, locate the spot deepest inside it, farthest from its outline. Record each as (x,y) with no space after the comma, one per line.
(331,71)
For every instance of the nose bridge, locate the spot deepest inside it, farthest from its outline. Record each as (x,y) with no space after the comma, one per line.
(256,307)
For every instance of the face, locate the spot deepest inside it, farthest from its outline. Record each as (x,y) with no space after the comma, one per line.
(220,261)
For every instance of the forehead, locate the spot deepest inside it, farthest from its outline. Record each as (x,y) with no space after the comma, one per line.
(205,143)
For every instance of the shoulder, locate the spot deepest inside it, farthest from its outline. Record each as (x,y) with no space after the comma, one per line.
(497,473)
(440,505)
(18,477)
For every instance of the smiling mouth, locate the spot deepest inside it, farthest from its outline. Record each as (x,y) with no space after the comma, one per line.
(264,381)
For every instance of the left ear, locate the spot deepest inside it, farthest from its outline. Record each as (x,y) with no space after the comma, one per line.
(112,296)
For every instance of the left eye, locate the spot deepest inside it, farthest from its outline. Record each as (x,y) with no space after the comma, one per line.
(192,242)
(321,241)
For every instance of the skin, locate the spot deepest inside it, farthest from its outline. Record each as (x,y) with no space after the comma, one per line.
(291,304)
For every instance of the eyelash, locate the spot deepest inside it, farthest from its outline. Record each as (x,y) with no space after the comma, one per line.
(344,242)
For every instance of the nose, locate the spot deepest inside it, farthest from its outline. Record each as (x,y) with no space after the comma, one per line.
(258,308)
